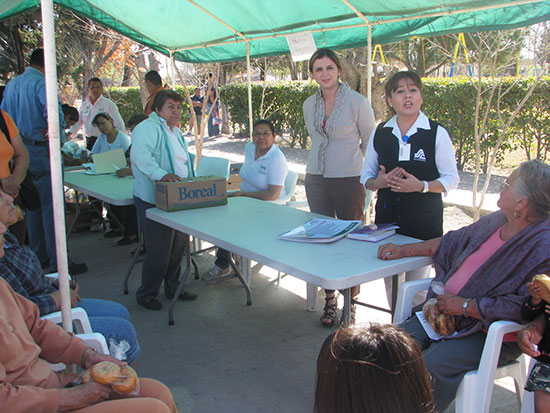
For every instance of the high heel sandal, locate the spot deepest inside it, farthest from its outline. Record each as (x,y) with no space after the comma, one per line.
(329,311)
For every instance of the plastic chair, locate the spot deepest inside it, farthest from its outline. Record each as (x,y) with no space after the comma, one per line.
(210,165)
(94,340)
(289,187)
(79,316)
(475,390)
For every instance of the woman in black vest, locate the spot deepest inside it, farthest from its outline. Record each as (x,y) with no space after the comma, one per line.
(410,161)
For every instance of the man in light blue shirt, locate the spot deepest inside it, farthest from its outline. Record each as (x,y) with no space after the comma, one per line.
(25,101)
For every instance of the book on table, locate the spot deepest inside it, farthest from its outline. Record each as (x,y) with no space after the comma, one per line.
(373,232)
(319,230)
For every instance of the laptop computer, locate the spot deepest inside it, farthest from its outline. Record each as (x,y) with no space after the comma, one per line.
(109,162)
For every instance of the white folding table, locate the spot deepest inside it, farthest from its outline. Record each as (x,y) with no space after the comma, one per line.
(249,228)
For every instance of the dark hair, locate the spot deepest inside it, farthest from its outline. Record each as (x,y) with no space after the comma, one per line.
(101,115)
(265,122)
(392,83)
(161,97)
(37,58)
(533,183)
(135,120)
(372,369)
(71,112)
(95,79)
(153,77)
(320,53)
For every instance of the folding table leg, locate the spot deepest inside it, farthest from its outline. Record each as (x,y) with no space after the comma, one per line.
(347,305)
(242,279)
(76,214)
(397,280)
(134,260)
(182,280)
(311,301)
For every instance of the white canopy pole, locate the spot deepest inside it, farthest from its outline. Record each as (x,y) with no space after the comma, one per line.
(369,63)
(250,118)
(55,159)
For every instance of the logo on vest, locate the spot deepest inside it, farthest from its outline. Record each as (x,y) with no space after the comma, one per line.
(419,156)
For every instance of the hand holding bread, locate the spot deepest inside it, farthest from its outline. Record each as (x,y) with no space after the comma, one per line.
(540,288)
(441,323)
(123,379)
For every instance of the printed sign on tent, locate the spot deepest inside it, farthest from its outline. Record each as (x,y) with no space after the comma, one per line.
(301,45)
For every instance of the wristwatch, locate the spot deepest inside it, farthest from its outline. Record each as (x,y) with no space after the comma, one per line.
(426,187)
(465,306)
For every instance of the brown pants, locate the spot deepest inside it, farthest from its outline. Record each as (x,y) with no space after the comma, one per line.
(342,198)
(153,397)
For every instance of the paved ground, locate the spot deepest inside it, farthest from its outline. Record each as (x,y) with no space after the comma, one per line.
(221,355)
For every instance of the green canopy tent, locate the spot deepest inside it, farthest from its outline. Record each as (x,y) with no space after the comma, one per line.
(202,31)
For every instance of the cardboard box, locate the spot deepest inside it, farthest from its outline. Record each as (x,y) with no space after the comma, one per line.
(196,192)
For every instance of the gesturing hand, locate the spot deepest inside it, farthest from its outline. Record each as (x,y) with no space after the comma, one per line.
(405,183)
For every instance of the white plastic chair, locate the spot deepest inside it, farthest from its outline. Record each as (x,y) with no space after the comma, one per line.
(475,390)
(210,165)
(289,187)
(79,316)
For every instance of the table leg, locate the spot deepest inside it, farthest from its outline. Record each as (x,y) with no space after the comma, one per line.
(76,214)
(242,279)
(134,259)
(311,301)
(347,305)
(182,280)
(397,280)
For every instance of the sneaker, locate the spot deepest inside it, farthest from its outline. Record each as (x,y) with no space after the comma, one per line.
(216,273)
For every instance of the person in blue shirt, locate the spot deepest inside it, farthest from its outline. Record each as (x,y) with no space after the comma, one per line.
(159,153)
(25,101)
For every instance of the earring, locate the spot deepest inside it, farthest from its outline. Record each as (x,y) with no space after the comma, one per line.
(517,214)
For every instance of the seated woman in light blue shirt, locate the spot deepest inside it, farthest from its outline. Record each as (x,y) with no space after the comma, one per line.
(263,175)
(109,140)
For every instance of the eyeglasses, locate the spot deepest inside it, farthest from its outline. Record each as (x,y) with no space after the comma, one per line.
(261,135)
(505,185)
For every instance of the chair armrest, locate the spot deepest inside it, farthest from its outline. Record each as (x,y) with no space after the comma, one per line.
(405,296)
(96,341)
(79,317)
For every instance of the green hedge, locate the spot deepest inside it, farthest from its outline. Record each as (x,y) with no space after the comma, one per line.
(450,101)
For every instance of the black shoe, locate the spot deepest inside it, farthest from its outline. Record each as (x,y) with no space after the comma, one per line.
(184,296)
(112,233)
(75,269)
(126,241)
(151,304)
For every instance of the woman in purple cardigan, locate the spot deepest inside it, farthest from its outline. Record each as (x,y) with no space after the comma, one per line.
(484,268)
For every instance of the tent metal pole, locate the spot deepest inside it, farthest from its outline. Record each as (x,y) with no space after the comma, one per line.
(55,159)
(250,119)
(375,22)
(369,63)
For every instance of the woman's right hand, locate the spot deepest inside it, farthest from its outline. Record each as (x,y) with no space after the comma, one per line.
(536,293)
(528,337)
(383,177)
(391,252)
(83,395)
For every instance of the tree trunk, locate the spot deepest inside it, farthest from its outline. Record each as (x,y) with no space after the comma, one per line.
(18,49)
(291,67)
(127,75)
(142,69)
(305,69)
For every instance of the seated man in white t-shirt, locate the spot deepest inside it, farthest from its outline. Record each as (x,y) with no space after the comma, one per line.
(263,175)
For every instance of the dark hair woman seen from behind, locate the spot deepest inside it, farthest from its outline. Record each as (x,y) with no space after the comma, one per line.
(374,369)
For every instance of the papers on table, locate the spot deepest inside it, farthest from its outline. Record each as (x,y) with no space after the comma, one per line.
(373,233)
(428,328)
(319,230)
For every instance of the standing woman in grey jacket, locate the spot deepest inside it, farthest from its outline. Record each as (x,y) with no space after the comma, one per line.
(339,122)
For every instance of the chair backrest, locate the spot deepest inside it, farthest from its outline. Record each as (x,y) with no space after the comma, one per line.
(210,165)
(289,187)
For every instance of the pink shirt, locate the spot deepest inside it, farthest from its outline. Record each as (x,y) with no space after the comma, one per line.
(472,263)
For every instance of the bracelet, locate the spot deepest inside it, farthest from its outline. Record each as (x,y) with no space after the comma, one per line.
(85,355)
(465,306)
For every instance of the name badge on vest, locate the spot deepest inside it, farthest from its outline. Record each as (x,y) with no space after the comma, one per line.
(405,152)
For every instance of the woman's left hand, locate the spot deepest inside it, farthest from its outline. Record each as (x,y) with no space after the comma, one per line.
(405,183)
(93,357)
(450,304)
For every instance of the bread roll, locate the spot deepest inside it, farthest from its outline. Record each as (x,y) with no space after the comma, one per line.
(543,282)
(122,379)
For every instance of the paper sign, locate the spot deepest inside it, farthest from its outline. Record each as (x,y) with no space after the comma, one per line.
(301,45)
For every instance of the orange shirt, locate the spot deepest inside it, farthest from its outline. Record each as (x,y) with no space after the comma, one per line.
(6,150)
(149,103)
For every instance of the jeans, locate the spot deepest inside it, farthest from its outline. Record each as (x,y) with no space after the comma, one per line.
(113,321)
(165,248)
(40,223)
(213,130)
